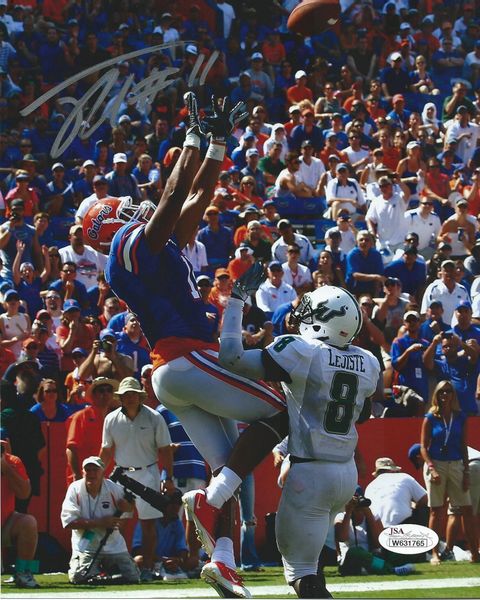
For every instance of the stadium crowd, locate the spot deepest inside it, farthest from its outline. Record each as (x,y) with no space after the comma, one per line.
(358,166)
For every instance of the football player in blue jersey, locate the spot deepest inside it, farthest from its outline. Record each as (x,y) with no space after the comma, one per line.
(147,269)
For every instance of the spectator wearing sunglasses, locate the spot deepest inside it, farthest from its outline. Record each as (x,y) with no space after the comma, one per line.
(425,224)
(68,287)
(48,407)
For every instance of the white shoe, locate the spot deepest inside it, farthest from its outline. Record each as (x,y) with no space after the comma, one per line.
(226,582)
(407,569)
(26,580)
(175,576)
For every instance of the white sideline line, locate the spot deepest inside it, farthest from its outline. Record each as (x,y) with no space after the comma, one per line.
(259,591)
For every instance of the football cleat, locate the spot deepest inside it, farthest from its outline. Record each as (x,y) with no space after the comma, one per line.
(204,517)
(248,283)
(226,582)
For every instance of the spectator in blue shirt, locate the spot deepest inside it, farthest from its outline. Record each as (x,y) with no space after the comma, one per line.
(464,328)
(364,267)
(251,169)
(216,238)
(28,285)
(68,286)
(458,363)
(407,352)
(129,342)
(434,322)
(410,271)
(399,116)
(239,154)
(394,79)
(307,130)
(171,549)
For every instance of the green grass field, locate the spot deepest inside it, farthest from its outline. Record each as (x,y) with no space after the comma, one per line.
(272,577)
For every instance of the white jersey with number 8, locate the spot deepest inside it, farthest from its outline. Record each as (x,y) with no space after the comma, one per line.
(326,395)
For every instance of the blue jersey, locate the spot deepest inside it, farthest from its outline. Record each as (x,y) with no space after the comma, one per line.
(159,288)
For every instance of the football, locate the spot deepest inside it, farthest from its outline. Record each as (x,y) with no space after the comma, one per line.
(313,16)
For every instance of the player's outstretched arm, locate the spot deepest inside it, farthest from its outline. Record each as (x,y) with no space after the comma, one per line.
(232,355)
(218,126)
(162,224)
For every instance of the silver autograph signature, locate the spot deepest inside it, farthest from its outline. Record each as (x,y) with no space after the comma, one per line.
(142,94)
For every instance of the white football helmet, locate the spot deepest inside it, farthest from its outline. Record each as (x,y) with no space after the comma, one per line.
(330,314)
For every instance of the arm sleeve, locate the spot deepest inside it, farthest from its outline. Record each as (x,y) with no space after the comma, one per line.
(107,440)
(395,352)
(232,355)
(70,507)
(162,435)
(417,490)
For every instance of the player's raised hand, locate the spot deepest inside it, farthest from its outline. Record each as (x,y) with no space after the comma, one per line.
(249,282)
(224,119)
(193,119)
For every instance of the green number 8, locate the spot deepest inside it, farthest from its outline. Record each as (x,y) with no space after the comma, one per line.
(280,345)
(339,413)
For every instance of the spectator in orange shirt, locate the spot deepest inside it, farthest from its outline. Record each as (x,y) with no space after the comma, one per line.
(391,155)
(241,263)
(251,213)
(221,290)
(472,194)
(23,191)
(84,433)
(299,91)
(374,109)
(18,529)
(7,358)
(273,52)
(330,148)
(357,94)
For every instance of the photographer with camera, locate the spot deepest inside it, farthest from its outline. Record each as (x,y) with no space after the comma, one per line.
(16,229)
(105,361)
(93,509)
(356,534)
(446,470)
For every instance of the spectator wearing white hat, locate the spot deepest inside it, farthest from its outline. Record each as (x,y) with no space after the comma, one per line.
(252,157)
(465,131)
(89,262)
(386,215)
(298,92)
(393,493)
(136,436)
(261,81)
(394,79)
(344,194)
(100,192)
(91,507)
(83,187)
(120,181)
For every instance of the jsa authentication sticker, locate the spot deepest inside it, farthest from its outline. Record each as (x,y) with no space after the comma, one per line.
(408,539)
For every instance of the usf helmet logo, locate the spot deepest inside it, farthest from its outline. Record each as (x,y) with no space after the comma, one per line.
(324,313)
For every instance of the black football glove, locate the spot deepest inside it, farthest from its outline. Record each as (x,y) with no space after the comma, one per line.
(224,120)
(249,282)
(192,119)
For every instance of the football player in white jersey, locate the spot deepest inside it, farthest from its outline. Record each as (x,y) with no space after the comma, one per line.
(326,381)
